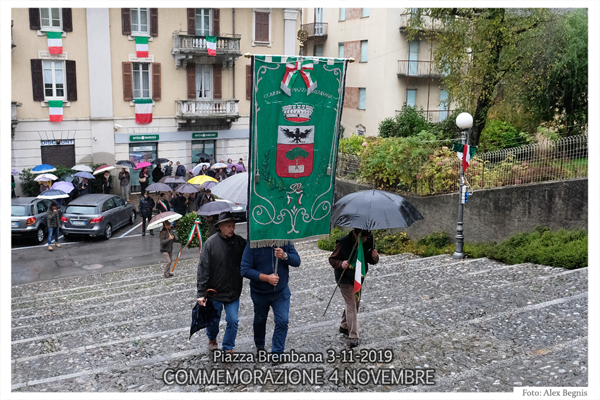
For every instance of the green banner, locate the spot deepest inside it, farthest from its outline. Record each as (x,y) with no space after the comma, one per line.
(142,138)
(295,116)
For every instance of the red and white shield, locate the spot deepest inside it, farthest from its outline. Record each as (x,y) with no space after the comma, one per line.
(295,151)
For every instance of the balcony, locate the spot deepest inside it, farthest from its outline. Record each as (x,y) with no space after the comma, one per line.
(14,120)
(417,69)
(316,31)
(430,24)
(213,109)
(193,48)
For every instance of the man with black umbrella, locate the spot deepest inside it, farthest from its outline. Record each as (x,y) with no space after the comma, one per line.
(345,251)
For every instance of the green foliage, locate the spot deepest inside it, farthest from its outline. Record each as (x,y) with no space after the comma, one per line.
(296,152)
(185,225)
(439,173)
(352,144)
(447,129)
(408,122)
(329,243)
(499,134)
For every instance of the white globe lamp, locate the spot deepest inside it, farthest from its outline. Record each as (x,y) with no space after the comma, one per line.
(464,121)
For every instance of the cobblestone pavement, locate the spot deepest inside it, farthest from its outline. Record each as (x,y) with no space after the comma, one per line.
(480,324)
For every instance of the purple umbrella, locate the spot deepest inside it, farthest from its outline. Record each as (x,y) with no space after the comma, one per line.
(238,167)
(158,187)
(64,186)
(208,185)
(186,188)
(14,171)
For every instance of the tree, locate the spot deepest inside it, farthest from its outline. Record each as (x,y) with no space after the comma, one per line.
(296,154)
(479,49)
(408,122)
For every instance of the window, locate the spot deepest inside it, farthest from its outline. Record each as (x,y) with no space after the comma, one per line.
(365,12)
(204,81)
(444,106)
(342,14)
(341,50)
(139,21)
(203,19)
(362,98)
(262,27)
(318,21)
(50,18)
(42,207)
(54,79)
(119,201)
(318,50)
(411,97)
(413,56)
(141,81)
(108,205)
(364,50)
(202,146)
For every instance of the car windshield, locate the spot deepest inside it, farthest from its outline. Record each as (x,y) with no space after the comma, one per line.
(81,210)
(18,211)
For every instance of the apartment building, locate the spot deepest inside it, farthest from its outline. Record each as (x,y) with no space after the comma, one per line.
(389,70)
(200,102)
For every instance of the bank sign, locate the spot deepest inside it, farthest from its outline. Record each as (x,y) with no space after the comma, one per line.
(142,138)
(205,135)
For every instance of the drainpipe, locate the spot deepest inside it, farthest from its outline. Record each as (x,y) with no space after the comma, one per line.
(233,62)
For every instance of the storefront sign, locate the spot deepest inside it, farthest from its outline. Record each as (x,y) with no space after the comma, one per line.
(205,135)
(56,142)
(141,138)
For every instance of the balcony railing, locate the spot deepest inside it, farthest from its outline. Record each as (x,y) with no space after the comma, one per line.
(316,29)
(435,116)
(417,69)
(191,109)
(186,46)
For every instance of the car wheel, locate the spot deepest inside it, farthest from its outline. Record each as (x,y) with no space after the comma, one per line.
(132,218)
(107,231)
(39,235)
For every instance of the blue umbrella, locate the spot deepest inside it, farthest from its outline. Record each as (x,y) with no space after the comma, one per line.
(42,168)
(84,174)
(53,194)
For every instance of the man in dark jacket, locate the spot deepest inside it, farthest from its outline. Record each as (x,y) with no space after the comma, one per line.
(180,171)
(163,204)
(53,221)
(345,252)
(219,269)
(145,208)
(157,174)
(84,187)
(269,289)
(169,169)
(178,203)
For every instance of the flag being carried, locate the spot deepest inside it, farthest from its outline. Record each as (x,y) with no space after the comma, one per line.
(464,153)
(359,267)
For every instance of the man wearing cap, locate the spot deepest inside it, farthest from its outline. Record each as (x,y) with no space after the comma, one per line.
(219,269)
(344,251)
(269,289)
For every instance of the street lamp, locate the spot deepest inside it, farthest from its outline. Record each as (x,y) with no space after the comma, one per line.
(464,121)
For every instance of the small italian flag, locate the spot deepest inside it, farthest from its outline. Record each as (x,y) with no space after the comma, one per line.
(465,153)
(211,45)
(54,42)
(360,268)
(141,46)
(143,111)
(56,110)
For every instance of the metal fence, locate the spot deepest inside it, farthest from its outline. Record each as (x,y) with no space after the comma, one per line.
(550,160)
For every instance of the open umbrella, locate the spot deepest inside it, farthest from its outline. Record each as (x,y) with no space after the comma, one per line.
(200,179)
(196,170)
(209,185)
(103,168)
(84,174)
(234,188)
(67,178)
(214,208)
(373,209)
(42,168)
(158,187)
(125,163)
(158,220)
(45,178)
(53,194)
(160,161)
(66,187)
(202,316)
(172,179)
(238,167)
(14,172)
(186,188)
(81,167)
(219,165)
(204,155)
(143,164)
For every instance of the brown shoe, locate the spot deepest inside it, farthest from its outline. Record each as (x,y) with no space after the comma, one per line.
(50,248)
(57,245)
(212,344)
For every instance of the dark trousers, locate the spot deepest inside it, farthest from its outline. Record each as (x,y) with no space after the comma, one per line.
(144,185)
(279,302)
(145,221)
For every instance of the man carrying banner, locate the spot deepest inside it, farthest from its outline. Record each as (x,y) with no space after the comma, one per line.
(268,271)
(219,269)
(349,253)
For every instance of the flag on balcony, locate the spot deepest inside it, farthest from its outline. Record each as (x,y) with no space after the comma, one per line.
(55,107)
(293,148)
(141,46)
(464,153)
(143,111)
(211,45)
(54,42)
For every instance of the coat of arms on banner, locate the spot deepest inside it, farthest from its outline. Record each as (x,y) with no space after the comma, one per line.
(295,150)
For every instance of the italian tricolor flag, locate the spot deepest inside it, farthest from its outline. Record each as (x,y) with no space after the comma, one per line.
(56,110)
(360,268)
(141,46)
(465,153)
(143,111)
(211,45)
(54,42)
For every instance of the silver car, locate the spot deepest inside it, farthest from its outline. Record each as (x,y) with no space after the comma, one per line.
(28,217)
(97,215)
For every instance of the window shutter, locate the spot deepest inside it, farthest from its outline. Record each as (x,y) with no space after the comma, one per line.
(191,21)
(261,29)
(217,81)
(126,21)
(67,20)
(156,81)
(37,80)
(248,82)
(127,81)
(216,21)
(154,22)
(34,19)
(191,81)
(71,80)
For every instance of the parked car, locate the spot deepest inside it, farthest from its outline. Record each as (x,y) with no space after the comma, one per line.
(97,215)
(28,217)
(238,211)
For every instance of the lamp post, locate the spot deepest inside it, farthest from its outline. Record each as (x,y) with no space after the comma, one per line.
(464,121)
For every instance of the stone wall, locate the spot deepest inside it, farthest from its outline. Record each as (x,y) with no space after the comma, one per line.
(492,215)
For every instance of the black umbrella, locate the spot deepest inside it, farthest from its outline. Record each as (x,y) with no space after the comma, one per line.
(202,316)
(374,209)
(158,187)
(186,188)
(160,161)
(214,208)
(204,155)
(172,179)
(125,163)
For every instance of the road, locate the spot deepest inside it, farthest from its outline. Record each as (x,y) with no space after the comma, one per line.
(80,256)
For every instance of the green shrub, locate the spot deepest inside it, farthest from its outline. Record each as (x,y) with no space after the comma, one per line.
(184,227)
(329,243)
(499,135)
(408,122)
(352,145)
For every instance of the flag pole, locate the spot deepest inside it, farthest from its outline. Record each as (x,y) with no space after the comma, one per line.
(339,280)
